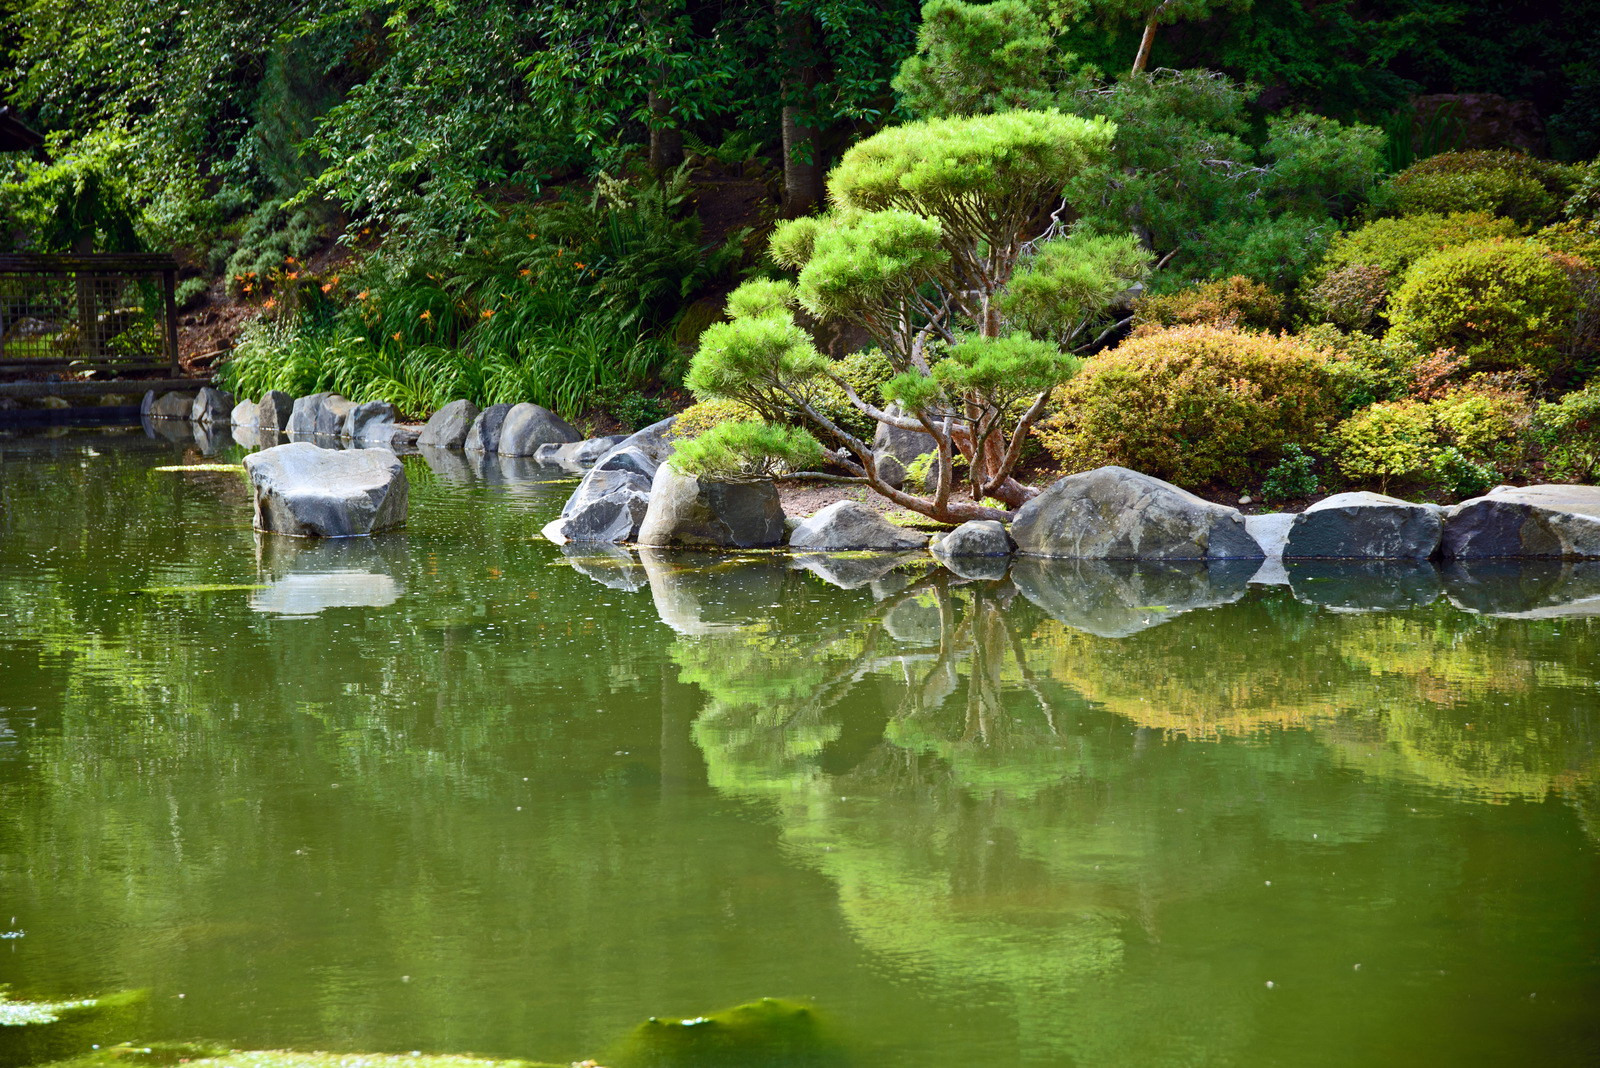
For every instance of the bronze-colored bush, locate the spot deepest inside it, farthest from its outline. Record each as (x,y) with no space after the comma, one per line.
(1194,404)
(1231,302)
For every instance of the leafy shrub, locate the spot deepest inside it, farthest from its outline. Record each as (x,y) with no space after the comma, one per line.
(1231,302)
(1363,369)
(1386,249)
(1485,422)
(1349,297)
(189,292)
(1571,429)
(1462,475)
(1498,303)
(1505,183)
(1292,478)
(271,237)
(1388,440)
(703,415)
(867,371)
(747,451)
(1193,404)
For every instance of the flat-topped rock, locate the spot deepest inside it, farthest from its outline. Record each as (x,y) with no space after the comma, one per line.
(527,426)
(484,434)
(211,407)
(1551,521)
(1112,513)
(448,427)
(848,525)
(307,491)
(1364,526)
(685,511)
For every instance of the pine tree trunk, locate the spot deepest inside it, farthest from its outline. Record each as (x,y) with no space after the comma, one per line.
(666,142)
(803,166)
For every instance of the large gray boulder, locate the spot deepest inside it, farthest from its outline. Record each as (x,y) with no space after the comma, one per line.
(685,511)
(1364,526)
(893,449)
(273,410)
(527,426)
(211,407)
(244,415)
(577,455)
(370,423)
(303,417)
(449,426)
(484,434)
(1550,521)
(1112,513)
(308,491)
(848,525)
(608,506)
(170,406)
(976,537)
(331,415)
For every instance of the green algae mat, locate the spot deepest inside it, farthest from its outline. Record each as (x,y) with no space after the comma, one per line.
(459,792)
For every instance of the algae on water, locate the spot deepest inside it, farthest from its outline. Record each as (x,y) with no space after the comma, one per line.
(35,1032)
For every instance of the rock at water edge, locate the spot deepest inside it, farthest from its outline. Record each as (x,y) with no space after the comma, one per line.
(449,426)
(849,525)
(211,407)
(685,511)
(1112,513)
(370,423)
(1364,526)
(610,506)
(484,434)
(273,410)
(244,415)
(303,416)
(1510,522)
(528,426)
(307,491)
(976,537)
(172,406)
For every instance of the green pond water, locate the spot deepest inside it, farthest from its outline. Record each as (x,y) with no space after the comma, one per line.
(455,790)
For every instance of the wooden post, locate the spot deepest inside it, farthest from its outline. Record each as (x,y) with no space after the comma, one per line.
(169,289)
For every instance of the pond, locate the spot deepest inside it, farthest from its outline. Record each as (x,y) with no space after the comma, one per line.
(455,790)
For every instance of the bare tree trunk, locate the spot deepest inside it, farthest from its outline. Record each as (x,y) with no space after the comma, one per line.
(666,141)
(803,167)
(1149,37)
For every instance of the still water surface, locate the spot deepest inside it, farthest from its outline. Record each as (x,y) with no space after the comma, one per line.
(454,790)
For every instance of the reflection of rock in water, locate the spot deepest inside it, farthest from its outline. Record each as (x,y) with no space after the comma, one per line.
(306,576)
(213,438)
(448,464)
(771,1032)
(851,571)
(609,565)
(704,593)
(174,430)
(915,620)
(1365,586)
(977,568)
(1113,599)
(1524,589)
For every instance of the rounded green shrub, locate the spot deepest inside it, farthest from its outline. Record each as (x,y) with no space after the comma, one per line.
(1389,440)
(1571,429)
(1193,404)
(1505,183)
(1393,245)
(1499,303)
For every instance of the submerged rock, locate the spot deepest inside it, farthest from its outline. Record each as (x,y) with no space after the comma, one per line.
(1112,513)
(448,427)
(273,410)
(845,525)
(1364,526)
(484,434)
(308,491)
(211,407)
(1550,521)
(771,1032)
(685,511)
(528,426)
